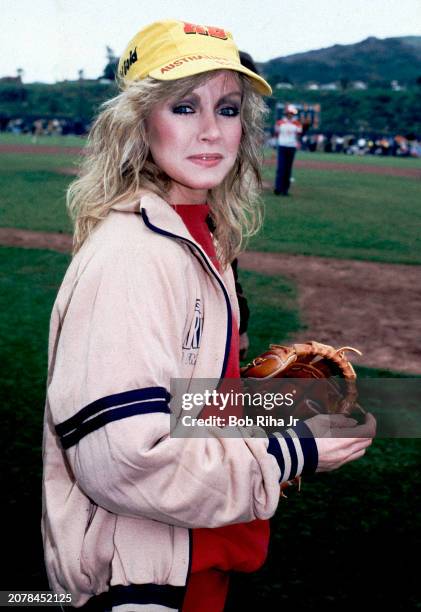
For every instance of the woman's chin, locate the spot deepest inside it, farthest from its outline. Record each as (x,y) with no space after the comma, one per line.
(205,182)
(197,186)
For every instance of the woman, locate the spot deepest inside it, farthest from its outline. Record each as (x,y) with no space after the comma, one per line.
(132,515)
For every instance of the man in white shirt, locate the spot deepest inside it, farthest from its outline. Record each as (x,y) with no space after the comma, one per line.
(288,131)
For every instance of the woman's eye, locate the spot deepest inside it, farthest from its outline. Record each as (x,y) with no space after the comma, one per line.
(183,109)
(229,111)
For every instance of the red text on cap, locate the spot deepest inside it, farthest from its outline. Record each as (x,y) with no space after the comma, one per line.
(191,28)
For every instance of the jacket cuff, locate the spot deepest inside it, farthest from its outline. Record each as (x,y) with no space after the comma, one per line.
(295,450)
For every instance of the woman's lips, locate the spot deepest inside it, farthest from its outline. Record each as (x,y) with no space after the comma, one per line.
(206,160)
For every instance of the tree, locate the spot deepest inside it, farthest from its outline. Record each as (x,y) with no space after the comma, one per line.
(110,69)
(21,89)
(344,83)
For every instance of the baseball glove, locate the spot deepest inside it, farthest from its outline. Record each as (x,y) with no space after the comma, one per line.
(313,361)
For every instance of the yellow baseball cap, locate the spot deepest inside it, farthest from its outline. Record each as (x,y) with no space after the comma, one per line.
(169,50)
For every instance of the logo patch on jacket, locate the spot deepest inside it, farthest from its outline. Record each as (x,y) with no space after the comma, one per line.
(194,334)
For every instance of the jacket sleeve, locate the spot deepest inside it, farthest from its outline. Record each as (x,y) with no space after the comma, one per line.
(119,346)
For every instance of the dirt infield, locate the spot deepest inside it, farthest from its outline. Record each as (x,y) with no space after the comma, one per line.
(68,170)
(372,306)
(40,149)
(414,173)
(10,236)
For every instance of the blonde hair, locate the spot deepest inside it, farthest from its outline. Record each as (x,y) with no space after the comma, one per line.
(118,165)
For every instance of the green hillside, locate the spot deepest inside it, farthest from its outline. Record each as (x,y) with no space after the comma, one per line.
(68,99)
(374,61)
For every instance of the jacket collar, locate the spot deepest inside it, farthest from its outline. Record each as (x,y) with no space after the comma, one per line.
(161,216)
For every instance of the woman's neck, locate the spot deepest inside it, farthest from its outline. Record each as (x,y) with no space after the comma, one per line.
(180,194)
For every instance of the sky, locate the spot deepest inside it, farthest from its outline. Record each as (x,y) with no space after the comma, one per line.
(52,40)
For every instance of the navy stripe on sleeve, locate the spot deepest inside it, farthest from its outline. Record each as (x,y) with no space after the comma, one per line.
(292,454)
(275,450)
(112,408)
(308,447)
(117,399)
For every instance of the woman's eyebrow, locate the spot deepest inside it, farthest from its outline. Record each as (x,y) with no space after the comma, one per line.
(192,97)
(227,96)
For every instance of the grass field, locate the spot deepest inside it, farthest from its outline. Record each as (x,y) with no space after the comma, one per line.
(348,537)
(340,214)
(330,214)
(52,141)
(345,214)
(28,284)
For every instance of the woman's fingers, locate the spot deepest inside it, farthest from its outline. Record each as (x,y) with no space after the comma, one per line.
(348,428)
(340,439)
(340,420)
(356,455)
(371,424)
(326,424)
(335,452)
(357,445)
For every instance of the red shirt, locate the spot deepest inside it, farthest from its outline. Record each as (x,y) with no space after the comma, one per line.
(241,547)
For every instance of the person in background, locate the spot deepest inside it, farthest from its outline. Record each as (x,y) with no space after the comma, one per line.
(288,130)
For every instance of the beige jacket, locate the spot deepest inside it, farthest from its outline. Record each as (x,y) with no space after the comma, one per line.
(120,495)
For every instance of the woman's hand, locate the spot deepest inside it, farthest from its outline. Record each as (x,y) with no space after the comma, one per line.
(340,439)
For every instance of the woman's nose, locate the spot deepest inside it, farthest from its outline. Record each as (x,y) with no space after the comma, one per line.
(209,128)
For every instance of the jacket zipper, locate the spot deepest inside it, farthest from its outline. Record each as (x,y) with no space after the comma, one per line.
(158,230)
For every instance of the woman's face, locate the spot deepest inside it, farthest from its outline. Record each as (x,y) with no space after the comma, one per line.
(195,139)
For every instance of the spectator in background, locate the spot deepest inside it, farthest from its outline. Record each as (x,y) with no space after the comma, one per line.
(37,130)
(339,144)
(288,131)
(415,148)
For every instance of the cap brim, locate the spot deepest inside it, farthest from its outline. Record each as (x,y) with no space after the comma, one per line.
(190,66)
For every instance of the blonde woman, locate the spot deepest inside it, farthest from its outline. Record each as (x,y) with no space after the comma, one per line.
(134,518)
